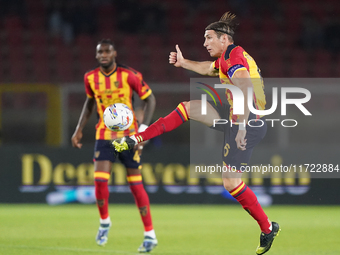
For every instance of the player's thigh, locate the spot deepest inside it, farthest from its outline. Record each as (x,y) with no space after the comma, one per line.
(133,171)
(237,159)
(103,156)
(231,182)
(194,109)
(234,158)
(256,132)
(131,160)
(103,166)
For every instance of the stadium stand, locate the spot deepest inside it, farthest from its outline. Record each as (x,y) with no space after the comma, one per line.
(27,44)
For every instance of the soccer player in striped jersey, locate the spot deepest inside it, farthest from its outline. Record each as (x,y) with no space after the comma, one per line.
(236,67)
(108,84)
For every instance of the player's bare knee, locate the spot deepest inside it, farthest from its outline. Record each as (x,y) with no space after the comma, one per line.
(226,184)
(231,183)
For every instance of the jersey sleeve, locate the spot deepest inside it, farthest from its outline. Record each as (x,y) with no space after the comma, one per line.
(216,64)
(237,61)
(137,83)
(88,90)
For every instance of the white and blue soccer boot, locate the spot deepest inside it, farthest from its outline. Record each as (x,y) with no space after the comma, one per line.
(148,244)
(102,235)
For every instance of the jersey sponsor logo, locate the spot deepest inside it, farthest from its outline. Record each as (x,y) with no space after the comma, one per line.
(109,101)
(108,91)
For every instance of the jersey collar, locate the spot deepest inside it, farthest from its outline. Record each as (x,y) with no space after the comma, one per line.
(108,74)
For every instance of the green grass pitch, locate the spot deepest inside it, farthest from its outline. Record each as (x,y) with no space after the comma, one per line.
(180,229)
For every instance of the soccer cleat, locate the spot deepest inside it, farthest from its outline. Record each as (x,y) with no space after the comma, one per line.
(266,240)
(148,244)
(102,235)
(123,144)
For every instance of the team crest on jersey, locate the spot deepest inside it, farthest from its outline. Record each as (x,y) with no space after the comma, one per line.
(116,83)
(228,63)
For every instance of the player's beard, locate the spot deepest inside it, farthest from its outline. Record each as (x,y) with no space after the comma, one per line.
(106,65)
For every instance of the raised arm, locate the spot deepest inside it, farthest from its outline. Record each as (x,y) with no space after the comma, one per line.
(201,67)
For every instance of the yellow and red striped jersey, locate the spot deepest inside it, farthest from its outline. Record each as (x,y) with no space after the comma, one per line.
(236,58)
(111,88)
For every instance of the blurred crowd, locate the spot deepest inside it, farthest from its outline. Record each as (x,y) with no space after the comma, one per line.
(270,30)
(71,18)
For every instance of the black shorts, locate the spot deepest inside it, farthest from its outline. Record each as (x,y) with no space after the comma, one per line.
(232,156)
(103,150)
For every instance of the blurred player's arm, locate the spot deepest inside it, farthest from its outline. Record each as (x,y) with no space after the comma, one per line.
(149,108)
(84,117)
(201,67)
(241,79)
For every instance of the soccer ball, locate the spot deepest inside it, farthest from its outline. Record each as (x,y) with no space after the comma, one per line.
(118,117)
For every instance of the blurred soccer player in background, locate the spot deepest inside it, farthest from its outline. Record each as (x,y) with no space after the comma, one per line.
(108,84)
(236,67)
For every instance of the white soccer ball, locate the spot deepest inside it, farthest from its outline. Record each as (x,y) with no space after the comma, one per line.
(118,117)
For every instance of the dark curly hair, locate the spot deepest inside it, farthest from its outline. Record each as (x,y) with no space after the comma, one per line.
(106,41)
